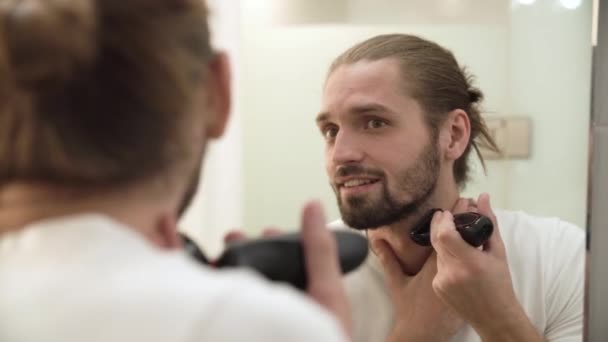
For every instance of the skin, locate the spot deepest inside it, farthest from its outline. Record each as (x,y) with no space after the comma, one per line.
(376,132)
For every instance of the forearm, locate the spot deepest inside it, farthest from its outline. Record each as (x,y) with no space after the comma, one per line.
(515,329)
(401,333)
(416,338)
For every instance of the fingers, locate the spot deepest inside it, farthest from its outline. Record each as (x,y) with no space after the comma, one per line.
(319,246)
(484,206)
(238,235)
(234,236)
(445,238)
(321,259)
(495,243)
(271,231)
(392,269)
(464,205)
(461,206)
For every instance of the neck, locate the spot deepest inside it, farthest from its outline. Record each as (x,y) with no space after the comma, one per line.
(412,256)
(22,204)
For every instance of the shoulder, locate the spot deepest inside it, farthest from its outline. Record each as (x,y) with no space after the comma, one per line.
(175,294)
(521,232)
(261,311)
(238,304)
(545,245)
(145,294)
(546,257)
(231,305)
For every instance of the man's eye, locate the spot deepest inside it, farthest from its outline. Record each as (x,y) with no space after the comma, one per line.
(375,123)
(330,132)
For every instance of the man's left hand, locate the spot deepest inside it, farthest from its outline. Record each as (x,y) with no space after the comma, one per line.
(476,282)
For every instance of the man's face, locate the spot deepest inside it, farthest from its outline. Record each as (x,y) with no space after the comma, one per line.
(381,158)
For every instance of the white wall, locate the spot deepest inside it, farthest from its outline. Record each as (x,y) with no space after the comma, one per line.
(536,63)
(551,81)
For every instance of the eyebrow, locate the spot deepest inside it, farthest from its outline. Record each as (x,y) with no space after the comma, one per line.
(356,110)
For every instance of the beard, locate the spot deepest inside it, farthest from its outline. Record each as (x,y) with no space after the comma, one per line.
(369,211)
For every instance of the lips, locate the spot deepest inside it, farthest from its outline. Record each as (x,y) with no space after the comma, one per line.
(356,185)
(351,183)
(353,178)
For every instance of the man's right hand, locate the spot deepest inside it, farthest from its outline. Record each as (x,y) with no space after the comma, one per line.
(325,285)
(419,314)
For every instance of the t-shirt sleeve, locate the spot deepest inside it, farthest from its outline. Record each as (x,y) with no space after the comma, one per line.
(566,279)
(268,312)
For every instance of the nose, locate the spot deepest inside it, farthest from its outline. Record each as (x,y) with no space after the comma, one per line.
(345,149)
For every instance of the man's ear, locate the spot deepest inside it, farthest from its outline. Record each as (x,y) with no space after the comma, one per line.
(219,89)
(458,132)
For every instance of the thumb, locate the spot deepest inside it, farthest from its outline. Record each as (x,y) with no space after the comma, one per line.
(485,208)
(234,236)
(322,267)
(320,249)
(392,269)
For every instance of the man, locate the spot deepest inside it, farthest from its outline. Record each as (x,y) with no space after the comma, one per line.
(400,119)
(105,110)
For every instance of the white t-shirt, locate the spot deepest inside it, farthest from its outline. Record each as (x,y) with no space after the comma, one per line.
(87,278)
(546,257)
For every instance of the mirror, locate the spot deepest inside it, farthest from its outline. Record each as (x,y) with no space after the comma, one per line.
(531,58)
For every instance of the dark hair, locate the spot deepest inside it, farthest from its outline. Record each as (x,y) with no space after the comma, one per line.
(437,82)
(94,92)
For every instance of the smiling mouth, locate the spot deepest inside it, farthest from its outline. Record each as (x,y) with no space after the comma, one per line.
(354,183)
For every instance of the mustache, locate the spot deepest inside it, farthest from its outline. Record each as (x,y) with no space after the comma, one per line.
(357,170)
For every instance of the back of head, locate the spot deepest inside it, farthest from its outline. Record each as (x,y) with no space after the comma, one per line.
(433,77)
(95,92)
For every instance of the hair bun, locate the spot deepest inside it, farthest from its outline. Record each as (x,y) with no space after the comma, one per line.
(475,95)
(47,40)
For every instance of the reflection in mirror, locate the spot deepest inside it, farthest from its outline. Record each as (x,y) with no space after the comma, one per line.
(531,60)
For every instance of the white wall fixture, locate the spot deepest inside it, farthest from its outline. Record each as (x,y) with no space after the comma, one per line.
(512,135)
